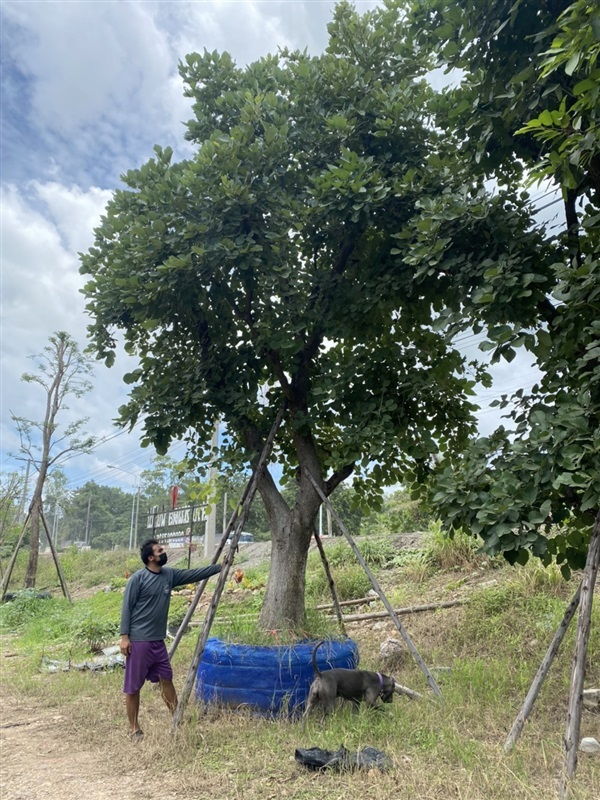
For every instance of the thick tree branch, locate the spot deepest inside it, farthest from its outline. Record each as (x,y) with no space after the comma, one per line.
(338,477)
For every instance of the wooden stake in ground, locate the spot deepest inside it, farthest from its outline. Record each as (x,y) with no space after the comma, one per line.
(210,614)
(430,679)
(334,597)
(533,692)
(6,577)
(578,672)
(61,576)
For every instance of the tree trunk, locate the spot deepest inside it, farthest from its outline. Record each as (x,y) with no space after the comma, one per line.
(283,606)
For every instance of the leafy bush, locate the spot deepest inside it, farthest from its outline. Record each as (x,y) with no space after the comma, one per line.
(177,610)
(401,514)
(15,614)
(445,552)
(350,581)
(95,632)
(377,552)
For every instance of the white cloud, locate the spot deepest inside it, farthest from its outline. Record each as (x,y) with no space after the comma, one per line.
(74,211)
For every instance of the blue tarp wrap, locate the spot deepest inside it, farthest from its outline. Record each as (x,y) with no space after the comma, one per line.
(266,679)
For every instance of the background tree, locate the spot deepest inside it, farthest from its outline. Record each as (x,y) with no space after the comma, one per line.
(62,371)
(512,488)
(537,490)
(11,490)
(321,247)
(98,515)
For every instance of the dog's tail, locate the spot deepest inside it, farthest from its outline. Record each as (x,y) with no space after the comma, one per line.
(314,657)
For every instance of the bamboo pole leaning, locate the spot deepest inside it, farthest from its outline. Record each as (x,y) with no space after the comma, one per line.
(416,655)
(334,597)
(584,618)
(540,676)
(230,527)
(61,576)
(9,569)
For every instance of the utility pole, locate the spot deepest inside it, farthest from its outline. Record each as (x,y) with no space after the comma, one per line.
(137,516)
(55,524)
(24,495)
(135,506)
(224,513)
(211,520)
(87,521)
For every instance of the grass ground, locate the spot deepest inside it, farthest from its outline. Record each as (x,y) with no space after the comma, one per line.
(485,653)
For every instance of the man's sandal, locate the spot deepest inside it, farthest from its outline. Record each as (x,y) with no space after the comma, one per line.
(136,736)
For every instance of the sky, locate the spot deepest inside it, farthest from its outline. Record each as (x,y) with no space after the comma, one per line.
(88,88)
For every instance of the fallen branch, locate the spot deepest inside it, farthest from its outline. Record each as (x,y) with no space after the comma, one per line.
(408,692)
(359,601)
(408,610)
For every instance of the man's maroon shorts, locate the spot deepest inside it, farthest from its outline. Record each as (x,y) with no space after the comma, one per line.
(148,661)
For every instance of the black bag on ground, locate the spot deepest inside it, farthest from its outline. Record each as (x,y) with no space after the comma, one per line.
(367,758)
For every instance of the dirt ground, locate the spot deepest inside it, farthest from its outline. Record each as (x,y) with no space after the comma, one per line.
(43,760)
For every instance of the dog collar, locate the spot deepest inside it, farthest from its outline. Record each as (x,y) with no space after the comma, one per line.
(380,682)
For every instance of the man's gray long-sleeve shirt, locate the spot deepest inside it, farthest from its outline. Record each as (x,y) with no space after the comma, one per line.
(147,597)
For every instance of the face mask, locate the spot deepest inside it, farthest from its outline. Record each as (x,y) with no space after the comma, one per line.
(162,559)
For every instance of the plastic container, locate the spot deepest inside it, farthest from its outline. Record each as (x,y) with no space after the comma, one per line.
(266,679)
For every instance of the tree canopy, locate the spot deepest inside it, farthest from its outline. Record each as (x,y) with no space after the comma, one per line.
(307,250)
(323,246)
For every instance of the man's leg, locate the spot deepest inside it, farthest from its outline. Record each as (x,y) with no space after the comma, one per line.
(132,705)
(169,695)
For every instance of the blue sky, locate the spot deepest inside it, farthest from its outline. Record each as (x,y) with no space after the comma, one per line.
(87,89)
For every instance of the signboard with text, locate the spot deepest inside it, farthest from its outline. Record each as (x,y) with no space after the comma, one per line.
(178,527)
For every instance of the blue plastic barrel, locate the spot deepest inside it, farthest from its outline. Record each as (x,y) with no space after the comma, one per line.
(266,679)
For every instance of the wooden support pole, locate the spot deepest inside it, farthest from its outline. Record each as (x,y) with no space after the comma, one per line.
(334,597)
(247,496)
(540,676)
(579,658)
(227,562)
(11,564)
(61,576)
(430,679)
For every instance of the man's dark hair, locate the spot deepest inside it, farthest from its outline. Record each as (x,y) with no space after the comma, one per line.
(146,549)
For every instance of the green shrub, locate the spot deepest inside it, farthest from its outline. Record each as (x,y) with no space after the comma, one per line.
(95,632)
(16,613)
(445,552)
(350,581)
(377,552)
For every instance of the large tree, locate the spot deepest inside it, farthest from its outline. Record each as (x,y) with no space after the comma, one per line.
(62,372)
(320,249)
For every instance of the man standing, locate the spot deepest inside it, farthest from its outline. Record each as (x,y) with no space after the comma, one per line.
(144,627)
